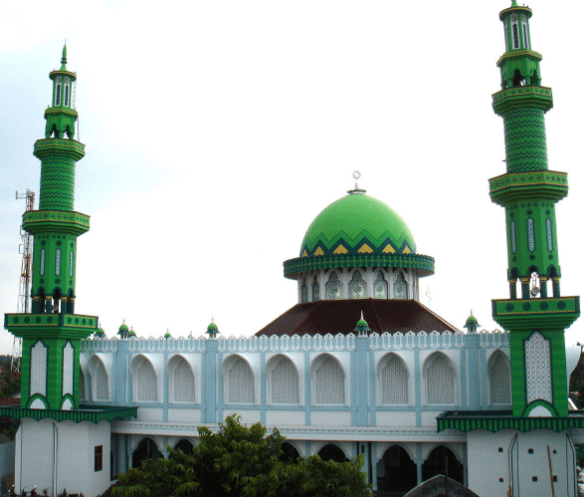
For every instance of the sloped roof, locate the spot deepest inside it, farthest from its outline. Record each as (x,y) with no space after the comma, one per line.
(341,316)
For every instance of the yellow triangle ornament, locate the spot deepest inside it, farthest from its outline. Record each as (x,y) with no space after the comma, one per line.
(340,250)
(318,251)
(365,249)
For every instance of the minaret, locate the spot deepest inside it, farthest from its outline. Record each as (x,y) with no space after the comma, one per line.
(52,332)
(529,191)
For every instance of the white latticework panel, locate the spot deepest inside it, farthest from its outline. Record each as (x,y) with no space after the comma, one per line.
(285,383)
(380,287)
(81,385)
(538,372)
(184,383)
(38,369)
(241,383)
(330,383)
(68,369)
(400,288)
(101,383)
(500,380)
(334,288)
(394,382)
(147,382)
(357,286)
(440,381)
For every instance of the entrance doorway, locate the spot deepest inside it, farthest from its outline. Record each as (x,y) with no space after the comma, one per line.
(396,472)
(332,452)
(440,461)
(146,449)
(185,447)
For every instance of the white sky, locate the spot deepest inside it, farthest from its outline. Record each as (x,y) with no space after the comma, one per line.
(217,130)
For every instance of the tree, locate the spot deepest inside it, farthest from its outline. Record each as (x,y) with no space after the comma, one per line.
(241,461)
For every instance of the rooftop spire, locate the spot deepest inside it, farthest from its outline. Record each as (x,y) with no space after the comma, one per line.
(64,57)
(514,4)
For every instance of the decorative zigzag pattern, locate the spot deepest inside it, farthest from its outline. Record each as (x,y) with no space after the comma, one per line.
(525,140)
(57,184)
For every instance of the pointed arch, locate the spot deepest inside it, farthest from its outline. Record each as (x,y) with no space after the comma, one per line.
(400,286)
(440,375)
(283,381)
(357,286)
(239,380)
(144,379)
(499,368)
(393,379)
(380,286)
(334,287)
(100,378)
(328,379)
(181,380)
(332,452)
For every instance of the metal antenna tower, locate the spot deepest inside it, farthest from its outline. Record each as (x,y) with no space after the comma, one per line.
(25,248)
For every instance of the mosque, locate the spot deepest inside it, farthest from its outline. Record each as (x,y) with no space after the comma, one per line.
(357,366)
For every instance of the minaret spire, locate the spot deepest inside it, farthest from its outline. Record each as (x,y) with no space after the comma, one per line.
(529,191)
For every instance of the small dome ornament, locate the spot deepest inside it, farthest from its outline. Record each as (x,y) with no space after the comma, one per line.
(99,333)
(362,327)
(472,323)
(167,335)
(132,333)
(212,329)
(123,330)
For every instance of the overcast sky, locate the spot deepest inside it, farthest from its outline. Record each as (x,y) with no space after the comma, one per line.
(217,130)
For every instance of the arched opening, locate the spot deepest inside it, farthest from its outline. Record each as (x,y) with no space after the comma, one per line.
(500,378)
(57,298)
(146,449)
(357,286)
(181,380)
(184,446)
(304,292)
(442,461)
(439,375)
(315,290)
(518,79)
(290,452)
(379,286)
(396,472)
(283,381)
(146,389)
(334,288)
(400,287)
(393,379)
(332,452)
(241,382)
(329,381)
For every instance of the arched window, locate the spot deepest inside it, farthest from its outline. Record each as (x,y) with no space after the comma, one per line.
(513,237)
(329,382)
(284,382)
(43,257)
(439,380)
(526,43)
(241,382)
(304,292)
(315,290)
(58,91)
(394,381)
(147,390)
(71,257)
(538,368)
(357,287)
(506,34)
(334,288)
(515,31)
(500,379)
(550,239)
(183,382)
(38,369)
(58,262)
(66,99)
(81,385)
(530,234)
(400,287)
(101,382)
(379,287)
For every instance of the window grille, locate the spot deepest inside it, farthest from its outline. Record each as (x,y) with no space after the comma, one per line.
(184,382)
(526,43)
(241,383)
(500,380)
(315,290)
(530,235)
(285,383)
(147,382)
(550,241)
(440,381)
(58,262)
(58,91)
(304,292)
(66,92)
(400,288)
(394,382)
(71,264)
(537,368)
(68,369)
(330,383)
(357,287)
(380,287)
(506,33)
(334,288)
(38,369)
(513,237)
(101,383)
(81,385)
(515,29)
(43,256)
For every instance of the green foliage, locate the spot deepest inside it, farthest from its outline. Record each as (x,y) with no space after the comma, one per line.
(9,384)
(241,461)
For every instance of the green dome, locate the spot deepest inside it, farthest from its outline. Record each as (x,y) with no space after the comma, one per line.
(212,327)
(362,322)
(472,320)
(167,335)
(131,333)
(123,328)
(357,224)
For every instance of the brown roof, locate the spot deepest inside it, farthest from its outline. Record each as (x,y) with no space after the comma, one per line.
(341,316)
(10,401)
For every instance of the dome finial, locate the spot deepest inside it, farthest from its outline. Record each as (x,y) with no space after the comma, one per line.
(64,57)
(356,176)
(362,327)
(514,4)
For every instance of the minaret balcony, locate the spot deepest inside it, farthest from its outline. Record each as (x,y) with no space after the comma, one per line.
(539,313)
(540,185)
(520,97)
(50,325)
(50,147)
(515,54)
(70,222)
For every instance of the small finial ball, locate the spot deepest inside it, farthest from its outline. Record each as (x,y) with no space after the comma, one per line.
(356,175)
